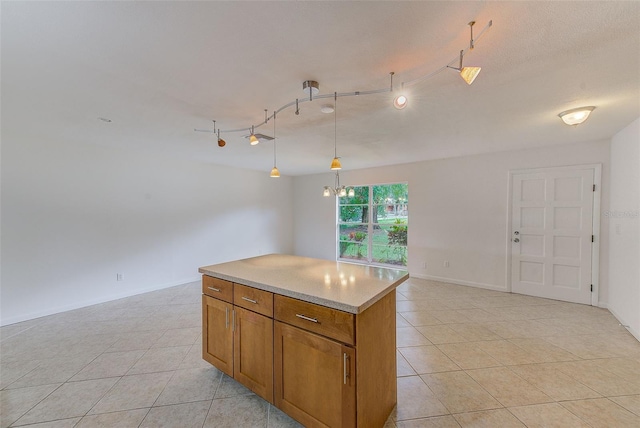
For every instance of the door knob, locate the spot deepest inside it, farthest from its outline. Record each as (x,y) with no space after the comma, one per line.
(516,233)
(516,240)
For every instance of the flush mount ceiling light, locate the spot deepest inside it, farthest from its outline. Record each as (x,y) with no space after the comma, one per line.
(576,116)
(327,108)
(468,74)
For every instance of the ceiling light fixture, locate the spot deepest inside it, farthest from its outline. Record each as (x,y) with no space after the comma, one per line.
(274,171)
(221,142)
(327,108)
(252,138)
(335,163)
(338,190)
(468,74)
(401,100)
(312,88)
(576,116)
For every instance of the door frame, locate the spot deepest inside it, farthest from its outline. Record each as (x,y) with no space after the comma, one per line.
(595,226)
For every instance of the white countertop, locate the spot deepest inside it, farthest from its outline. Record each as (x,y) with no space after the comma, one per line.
(344,286)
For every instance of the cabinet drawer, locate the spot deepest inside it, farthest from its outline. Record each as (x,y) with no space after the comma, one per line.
(328,322)
(218,288)
(255,300)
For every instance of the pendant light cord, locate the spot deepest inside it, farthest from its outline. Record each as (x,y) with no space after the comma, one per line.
(274,138)
(335,125)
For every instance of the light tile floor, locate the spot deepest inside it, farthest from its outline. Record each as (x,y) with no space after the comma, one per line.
(467,357)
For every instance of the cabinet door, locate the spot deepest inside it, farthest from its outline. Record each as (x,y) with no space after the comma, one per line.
(253,352)
(217,334)
(314,378)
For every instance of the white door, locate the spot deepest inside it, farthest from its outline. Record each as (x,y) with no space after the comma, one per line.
(551,236)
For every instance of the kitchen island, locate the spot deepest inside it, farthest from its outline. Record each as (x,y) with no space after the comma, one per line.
(314,337)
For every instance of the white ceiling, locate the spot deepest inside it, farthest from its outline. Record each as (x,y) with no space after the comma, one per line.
(160,69)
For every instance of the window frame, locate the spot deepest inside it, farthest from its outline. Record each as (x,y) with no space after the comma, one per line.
(371,205)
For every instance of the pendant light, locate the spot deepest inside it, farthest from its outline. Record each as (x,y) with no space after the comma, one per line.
(274,171)
(335,163)
(252,138)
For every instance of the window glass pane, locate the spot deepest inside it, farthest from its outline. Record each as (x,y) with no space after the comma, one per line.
(361,196)
(389,255)
(353,242)
(354,214)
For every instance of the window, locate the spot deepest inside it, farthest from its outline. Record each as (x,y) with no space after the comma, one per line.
(372,225)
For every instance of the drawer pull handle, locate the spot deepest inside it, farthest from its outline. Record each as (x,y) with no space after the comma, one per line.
(306,318)
(214,289)
(249,300)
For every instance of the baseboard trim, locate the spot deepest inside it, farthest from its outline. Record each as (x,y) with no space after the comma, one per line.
(109,298)
(461,282)
(622,322)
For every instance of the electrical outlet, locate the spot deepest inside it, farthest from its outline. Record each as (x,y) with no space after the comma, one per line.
(118,277)
(446,263)
(424,265)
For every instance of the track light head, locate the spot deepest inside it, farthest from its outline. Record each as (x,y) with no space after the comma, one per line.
(400,102)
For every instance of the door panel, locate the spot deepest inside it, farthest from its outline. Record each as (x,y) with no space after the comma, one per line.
(253,352)
(315,378)
(217,334)
(552,214)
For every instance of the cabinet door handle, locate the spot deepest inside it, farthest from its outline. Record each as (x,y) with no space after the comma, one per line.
(233,318)
(217,290)
(306,318)
(226,317)
(344,367)
(249,300)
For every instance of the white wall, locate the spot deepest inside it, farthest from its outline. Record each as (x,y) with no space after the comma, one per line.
(74,215)
(624,228)
(457,211)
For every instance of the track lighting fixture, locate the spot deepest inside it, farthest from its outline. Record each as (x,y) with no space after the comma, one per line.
(400,101)
(468,74)
(576,116)
(252,138)
(274,171)
(221,142)
(312,87)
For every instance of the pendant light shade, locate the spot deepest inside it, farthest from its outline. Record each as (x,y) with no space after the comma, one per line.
(253,140)
(335,164)
(274,172)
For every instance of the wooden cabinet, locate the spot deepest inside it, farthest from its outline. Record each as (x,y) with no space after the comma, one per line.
(324,367)
(315,378)
(238,341)
(217,335)
(253,352)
